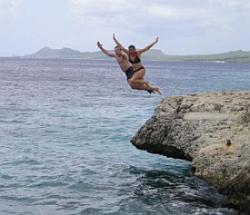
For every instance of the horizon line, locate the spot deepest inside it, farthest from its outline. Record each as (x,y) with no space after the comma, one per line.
(214,53)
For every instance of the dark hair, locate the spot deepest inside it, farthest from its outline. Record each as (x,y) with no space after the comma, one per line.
(131,47)
(117,46)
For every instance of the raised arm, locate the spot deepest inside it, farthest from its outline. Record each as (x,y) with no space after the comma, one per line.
(119,44)
(106,52)
(140,51)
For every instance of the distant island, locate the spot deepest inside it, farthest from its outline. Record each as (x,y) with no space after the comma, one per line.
(153,54)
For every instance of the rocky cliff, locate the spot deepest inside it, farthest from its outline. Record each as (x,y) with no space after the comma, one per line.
(211,130)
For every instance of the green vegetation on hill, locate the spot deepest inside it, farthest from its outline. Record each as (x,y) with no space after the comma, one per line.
(234,56)
(153,54)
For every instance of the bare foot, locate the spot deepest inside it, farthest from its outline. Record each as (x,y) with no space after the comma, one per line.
(156,89)
(151,90)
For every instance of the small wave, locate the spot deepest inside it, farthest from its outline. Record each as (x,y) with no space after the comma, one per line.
(19,198)
(43,184)
(7,177)
(23,160)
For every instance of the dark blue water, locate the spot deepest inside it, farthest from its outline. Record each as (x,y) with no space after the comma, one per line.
(65,130)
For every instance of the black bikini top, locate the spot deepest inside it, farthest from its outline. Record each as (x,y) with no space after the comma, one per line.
(136,60)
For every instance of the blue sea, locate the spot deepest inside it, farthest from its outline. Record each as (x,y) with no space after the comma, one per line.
(65,130)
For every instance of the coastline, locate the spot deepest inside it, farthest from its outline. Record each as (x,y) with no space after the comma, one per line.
(237,56)
(211,130)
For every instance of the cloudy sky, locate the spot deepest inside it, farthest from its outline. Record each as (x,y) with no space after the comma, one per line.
(183,26)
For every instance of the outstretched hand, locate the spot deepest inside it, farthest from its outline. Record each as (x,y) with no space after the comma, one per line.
(99,44)
(114,36)
(157,39)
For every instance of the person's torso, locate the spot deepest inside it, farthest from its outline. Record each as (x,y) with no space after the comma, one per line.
(123,62)
(135,61)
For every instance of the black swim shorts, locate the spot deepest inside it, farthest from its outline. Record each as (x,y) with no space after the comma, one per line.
(129,72)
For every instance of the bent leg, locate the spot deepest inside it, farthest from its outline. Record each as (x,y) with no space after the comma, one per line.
(142,85)
(138,85)
(138,78)
(137,82)
(139,74)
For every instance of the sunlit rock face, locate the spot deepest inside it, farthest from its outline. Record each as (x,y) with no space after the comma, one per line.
(211,130)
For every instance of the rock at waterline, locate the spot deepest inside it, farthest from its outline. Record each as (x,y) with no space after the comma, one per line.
(213,131)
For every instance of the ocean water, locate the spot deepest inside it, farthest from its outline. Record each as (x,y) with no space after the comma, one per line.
(65,130)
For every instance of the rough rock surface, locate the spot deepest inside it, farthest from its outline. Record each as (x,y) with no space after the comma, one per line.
(211,130)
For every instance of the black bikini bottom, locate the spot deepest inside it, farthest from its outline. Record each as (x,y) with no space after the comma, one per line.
(142,67)
(130,72)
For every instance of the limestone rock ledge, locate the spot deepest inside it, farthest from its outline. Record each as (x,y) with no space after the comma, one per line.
(213,131)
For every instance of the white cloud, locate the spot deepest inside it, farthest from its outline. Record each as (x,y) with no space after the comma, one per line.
(174,12)
(130,13)
(234,4)
(226,15)
(142,20)
(109,5)
(102,12)
(8,8)
(184,26)
(9,4)
(163,11)
(127,14)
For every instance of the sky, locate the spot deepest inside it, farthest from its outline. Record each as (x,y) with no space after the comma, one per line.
(183,26)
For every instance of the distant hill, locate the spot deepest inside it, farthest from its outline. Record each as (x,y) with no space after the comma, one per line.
(64,53)
(153,54)
(67,53)
(234,56)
